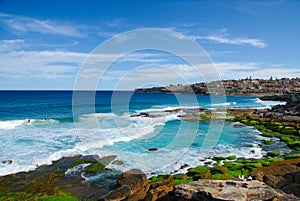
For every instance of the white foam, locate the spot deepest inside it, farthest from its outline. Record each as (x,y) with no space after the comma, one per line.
(8,125)
(223,104)
(165,161)
(76,170)
(100,129)
(12,124)
(269,104)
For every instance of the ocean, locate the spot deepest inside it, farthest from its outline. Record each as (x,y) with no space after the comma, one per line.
(37,127)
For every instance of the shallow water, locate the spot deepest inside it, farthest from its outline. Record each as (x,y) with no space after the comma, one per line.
(53,130)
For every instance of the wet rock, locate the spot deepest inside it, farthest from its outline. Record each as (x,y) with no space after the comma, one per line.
(292,106)
(184,166)
(118,162)
(7,162)
(152,149)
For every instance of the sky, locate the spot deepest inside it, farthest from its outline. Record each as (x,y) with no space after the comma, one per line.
(45,44)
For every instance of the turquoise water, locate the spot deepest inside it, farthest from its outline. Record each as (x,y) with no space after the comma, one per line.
(53,130)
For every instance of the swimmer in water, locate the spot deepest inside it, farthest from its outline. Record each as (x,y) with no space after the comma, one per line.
(28,121)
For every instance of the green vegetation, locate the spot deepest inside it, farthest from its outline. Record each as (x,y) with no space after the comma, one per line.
(275,159)
(95,167)
(273,153)
(264,162)
(197,170)
(286,133)
(232,169)
(156,179)
(233,157)
(16,196)
(268,142)
(218,169)
(182,181)
(58,198)
(219,158)
(291,156)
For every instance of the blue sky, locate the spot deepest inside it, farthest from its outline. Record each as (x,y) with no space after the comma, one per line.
(44,43)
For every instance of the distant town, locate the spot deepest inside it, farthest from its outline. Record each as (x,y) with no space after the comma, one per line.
(242,87)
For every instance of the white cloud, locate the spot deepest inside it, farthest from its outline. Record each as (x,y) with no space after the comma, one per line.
(115,23)
(60,64)
(23,24)
(44,64)
(6,45)
(236,70)
(224,38)
(270,3)
(182,73)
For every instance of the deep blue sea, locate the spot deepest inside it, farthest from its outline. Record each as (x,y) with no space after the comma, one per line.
(37,127)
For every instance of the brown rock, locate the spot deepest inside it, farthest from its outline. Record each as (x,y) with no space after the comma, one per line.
(283,175)
(140,195)
(184,177)
(118,194)
(209,190)
(206,175)
(158,193)
(135,179)
(258,175)
(272,180)
(166,180)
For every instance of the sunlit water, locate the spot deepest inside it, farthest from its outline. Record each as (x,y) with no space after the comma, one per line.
(51,132)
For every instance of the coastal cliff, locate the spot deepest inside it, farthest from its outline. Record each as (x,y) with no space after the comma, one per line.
(243,87)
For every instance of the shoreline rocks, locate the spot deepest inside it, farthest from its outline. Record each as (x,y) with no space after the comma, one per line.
(292,106)
(217,190)
(283,175)
(60,179)
(64,179)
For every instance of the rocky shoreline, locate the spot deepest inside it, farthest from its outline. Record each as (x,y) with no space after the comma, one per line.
(69,178)
(275,177)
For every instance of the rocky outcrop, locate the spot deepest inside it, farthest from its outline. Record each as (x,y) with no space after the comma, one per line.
(133,185)
(217,190)
(283,175)
(292,106)
(63,177)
